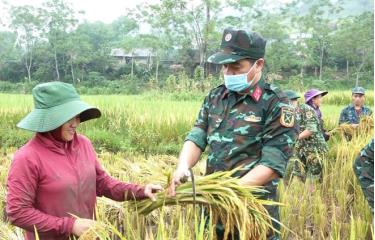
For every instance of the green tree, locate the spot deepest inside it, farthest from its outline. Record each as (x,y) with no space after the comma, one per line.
(183,25)
(60,19)
(122,28)
(9,57)
(314,24)
(356,49)
(97,43)
(26,22)
(280,53)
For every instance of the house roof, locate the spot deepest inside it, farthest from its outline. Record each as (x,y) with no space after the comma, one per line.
(138,52)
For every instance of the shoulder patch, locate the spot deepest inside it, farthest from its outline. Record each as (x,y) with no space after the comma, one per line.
(309,115)
(287,118)
(309,111)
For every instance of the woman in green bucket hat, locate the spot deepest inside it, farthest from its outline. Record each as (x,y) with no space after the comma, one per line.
(56,174)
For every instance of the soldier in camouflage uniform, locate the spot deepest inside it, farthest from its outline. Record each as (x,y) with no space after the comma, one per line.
(311,146)
(352,113)
(293,97)
(293,100)
(244,122)
(364,170)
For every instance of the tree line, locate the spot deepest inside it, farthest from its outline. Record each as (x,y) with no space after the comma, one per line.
(310,42)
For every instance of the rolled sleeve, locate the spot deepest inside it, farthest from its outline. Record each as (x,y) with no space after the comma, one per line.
(312,127)
(312,122)
(198,134)
(278,140)
(275,159)
(199,137)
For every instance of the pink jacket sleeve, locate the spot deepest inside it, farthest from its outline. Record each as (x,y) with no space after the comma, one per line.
(115,189)
(110,187)
(21,190)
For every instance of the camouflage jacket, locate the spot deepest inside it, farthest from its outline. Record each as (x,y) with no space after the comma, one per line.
(349,115)
(245,129)
(364,170)
(315,144)
(298,118)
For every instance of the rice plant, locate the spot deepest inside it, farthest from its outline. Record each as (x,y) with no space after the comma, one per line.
(234,205)
(138,139)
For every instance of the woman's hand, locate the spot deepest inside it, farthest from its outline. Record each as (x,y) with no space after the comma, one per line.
(150,189)
(81,225)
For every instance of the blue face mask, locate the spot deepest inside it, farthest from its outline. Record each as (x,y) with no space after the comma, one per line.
(238,82)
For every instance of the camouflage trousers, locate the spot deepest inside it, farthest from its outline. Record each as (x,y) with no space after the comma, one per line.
(273,211)
(364,170)
(308,166)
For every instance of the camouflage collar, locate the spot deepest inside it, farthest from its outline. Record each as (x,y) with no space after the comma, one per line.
(353,107)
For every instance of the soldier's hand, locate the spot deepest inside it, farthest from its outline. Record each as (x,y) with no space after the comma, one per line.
(354,125)
(179,176)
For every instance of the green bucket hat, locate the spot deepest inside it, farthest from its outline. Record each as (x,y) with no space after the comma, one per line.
(237,45)
(55,103)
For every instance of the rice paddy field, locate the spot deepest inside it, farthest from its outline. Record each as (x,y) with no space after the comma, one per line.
(138,139)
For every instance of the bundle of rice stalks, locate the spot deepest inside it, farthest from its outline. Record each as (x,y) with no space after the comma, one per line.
(235,205)
(345,128)
(365,126)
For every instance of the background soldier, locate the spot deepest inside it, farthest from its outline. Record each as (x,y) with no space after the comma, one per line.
(293,97)
(352,113)
(293,100)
